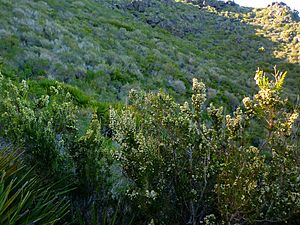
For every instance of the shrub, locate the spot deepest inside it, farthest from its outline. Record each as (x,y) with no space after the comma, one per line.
(44,125)
(90,154)
(166,150)
(260,184)
(43,119)
(188,161)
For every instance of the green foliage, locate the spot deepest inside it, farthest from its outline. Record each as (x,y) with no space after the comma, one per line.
(184,160)
(24,198)
(43,87)
(263,82)
(80,98)
(263,186)
(166,151)
(168,162)
(90,154)
(44,125)
(69,41)
(43,117)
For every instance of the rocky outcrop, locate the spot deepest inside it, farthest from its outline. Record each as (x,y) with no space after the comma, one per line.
(280,9)
(219,5)
(139,6)
(154,21)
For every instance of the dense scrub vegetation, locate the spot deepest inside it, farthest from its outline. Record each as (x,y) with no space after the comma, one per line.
(109,47)
(134,112)
(167,163)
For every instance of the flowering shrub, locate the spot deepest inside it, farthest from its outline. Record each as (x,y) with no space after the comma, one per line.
(167,151)
(168,163)
(261,184)
(186,161)
(45,125)
(48,126)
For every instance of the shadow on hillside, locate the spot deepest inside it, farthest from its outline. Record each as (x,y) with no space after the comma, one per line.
(147,45)
(230,46)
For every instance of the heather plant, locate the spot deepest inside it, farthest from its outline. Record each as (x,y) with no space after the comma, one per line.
(186,161)
(92,160)
(43,117)
(260,184)
(169,162)
(45,125)
(88,153)
(169,152)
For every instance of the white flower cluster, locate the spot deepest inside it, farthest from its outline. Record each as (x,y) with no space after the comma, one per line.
(199,96)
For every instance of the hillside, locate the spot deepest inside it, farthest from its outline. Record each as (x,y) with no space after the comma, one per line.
(149,112)
(108,48)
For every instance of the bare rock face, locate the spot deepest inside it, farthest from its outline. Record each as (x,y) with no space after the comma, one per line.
(278,4)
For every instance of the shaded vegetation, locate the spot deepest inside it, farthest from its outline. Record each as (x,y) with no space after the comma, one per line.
(179,148)
(106,51)
(24,197)
(167,163)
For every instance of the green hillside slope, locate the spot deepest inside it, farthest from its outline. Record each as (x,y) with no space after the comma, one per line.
(199,141)
(109,47)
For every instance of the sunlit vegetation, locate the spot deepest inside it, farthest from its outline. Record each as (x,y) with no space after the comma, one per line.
(168,163)
(106,51)
(135,112)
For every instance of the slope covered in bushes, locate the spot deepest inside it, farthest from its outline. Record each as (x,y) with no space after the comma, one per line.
(185,146)
(108,47)
(155,160)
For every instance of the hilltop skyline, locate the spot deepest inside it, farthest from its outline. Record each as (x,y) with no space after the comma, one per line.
(263,3)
